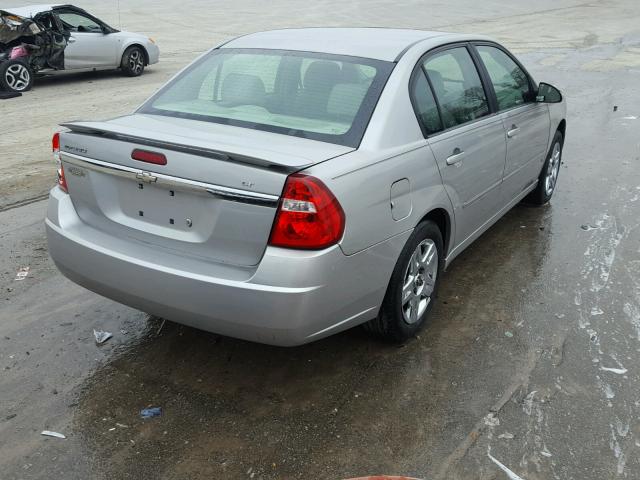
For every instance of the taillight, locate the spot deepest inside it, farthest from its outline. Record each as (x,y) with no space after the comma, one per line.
(149,157)
(308,216)
(55,146)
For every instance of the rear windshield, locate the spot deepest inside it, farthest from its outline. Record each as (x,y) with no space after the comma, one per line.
(317,96)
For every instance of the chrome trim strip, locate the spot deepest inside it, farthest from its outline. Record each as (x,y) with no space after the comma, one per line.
(137,175)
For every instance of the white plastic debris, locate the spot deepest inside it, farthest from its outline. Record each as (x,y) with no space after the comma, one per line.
(619,371)
(506,436)
(49,433)
(512,475)
(508,334)
(491,420)
(102,336)
(22,273)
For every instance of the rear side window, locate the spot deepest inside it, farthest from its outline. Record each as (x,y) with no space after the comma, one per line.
(457,86)
(425,105)
(318,96)
(509,81)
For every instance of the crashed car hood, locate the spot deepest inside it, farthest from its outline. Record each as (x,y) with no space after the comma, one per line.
(14,26)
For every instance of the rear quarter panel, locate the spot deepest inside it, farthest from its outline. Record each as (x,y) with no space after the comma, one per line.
(362,183)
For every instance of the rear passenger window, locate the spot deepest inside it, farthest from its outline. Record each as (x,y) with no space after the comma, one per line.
(425,104)
(457,86)
(508,79)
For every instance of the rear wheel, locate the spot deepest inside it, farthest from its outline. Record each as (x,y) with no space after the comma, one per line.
(549,175)
(15,76)
(133,61)
(413,286)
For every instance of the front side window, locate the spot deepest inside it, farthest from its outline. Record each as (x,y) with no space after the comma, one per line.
(457,86)
(74,22)
(318,96)
(509,81)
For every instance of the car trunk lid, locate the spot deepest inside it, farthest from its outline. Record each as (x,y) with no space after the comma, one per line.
(214,199)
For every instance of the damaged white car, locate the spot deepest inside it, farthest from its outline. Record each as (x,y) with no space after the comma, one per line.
(47,39)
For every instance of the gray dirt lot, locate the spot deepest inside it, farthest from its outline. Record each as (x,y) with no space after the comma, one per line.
(532,357)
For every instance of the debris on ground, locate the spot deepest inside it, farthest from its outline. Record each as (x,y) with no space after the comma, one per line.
(22,273)
(101,336)
(49,433)
(161,326)
(8,95)
(506,436)
(151,412)
(508,334)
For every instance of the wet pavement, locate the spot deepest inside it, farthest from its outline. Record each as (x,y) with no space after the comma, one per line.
(529,368)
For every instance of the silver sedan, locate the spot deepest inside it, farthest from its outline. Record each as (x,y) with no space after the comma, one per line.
(291,184)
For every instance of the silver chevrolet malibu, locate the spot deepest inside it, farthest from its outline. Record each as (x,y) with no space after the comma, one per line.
(291,184)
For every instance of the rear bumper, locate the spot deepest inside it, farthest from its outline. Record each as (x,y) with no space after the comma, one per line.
(290,298)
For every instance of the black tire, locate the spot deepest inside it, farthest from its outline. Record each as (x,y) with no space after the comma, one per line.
(542,194)
(133,61)
(391,325)
(16,76)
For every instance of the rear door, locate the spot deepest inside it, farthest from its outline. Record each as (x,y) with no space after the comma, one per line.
(88,46)
(526,122)
(470,148)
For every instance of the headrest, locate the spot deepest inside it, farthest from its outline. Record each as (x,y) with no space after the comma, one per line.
(243,89)
(321,75)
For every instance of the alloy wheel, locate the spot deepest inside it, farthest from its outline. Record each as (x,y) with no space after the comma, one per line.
(136,62)
(552,170)
(17,77)
(419,281)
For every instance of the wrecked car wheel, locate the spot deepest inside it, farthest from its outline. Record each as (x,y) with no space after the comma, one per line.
(15,76)
(133,61)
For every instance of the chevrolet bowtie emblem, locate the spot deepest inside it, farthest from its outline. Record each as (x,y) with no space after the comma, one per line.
(146,177)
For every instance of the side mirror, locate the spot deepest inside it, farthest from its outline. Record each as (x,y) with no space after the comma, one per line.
(548,94)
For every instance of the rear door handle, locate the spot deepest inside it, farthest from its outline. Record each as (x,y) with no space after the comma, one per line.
(455,156)
(513,132)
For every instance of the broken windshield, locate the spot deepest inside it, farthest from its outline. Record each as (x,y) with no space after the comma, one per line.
(318,96)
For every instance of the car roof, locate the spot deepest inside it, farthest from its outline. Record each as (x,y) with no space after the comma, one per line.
(31,11)
(377,43)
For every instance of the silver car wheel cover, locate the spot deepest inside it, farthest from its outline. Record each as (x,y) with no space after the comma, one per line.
(553,169)
(419,280)
(17,77)
(136,62)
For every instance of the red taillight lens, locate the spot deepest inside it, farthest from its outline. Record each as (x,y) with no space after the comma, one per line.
(149,157)
(55,142)
(308,217)
(55,146)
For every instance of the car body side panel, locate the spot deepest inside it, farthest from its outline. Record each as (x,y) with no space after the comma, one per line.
(363,180)
(526,148)
(557,113)
(473,183)
(91,49)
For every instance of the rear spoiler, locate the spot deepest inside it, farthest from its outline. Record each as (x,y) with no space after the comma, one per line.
(82,128)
